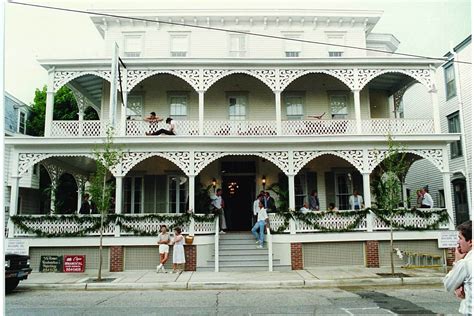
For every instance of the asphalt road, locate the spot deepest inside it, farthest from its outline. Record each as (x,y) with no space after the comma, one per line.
(355,301)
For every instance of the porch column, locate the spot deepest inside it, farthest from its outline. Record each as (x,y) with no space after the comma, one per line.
(79,199)
(291,191)
(123,115)
(368,200)
(404,194)
(54,185)
(118,200)
(48,121)
(436,117)
(448,198)
(201,112)
(278,110)
(81,121)
(191,190)
(13,204)
(358,115)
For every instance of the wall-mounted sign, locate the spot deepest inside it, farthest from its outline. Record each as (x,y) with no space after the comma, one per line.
(74,263)
(51,264)
(448,239)
(16,246)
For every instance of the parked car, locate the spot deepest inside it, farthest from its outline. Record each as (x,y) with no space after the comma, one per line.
(17,268)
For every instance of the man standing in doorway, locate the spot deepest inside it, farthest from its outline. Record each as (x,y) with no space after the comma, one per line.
(269,202)
(217,205)
(459,279)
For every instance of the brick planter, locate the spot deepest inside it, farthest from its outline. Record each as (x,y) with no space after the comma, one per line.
(372,259)
(296,256)
(116,259)
(190,254)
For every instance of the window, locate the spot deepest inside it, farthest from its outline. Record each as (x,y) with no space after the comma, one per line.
(336,38)
(292,48)
(237,107)
(338,105)
(455,127)
(179,45)
(343,190)
(22,122)
(294,107)
(133,44)
(135,106)
(177,194)
(178,106)
(237,45)
(133,194)
(450,81)
(441,200)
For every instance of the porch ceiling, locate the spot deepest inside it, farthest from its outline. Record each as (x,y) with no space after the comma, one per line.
(391,82)
(91,87)
(83,164)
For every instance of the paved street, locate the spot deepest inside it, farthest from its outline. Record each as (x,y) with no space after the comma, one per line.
(419,300)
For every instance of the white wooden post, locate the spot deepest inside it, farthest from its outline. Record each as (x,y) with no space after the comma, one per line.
(358,115)
(448,198)
(201,112)
(113,86)
(54,185)
(79,198)
(278,111)
(13,204)
(292,203)
(118,200)
(368,200)
(436,117)
(48,121)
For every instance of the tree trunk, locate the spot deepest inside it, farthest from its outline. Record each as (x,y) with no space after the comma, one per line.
(99,275)
(392,265)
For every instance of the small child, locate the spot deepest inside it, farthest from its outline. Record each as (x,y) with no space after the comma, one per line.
(163,241)
(178,251)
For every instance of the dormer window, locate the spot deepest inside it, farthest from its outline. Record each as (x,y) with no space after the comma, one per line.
(336,38)
(133,45)
(292,47)
(179,44)
(237,45)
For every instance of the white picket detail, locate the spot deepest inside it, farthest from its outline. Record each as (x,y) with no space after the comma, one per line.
(397,126)
(78,128)
(318,127)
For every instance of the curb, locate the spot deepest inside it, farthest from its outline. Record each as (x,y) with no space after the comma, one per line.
(234,285)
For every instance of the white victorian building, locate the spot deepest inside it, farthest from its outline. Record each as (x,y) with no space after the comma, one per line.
(246,111)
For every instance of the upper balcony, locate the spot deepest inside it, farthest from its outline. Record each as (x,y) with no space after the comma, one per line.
(241,98)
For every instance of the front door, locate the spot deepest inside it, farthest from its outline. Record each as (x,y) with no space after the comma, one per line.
(238,194)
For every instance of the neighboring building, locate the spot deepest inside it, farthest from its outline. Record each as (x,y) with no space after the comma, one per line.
(455,91)
(16,116)
(244,108)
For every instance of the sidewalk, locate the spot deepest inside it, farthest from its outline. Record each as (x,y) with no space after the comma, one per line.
(322,277)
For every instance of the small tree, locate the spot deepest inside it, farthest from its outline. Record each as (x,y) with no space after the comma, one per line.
(101,190)
(387,186)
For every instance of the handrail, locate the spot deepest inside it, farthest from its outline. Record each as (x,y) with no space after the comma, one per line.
(216,246)
(270,250)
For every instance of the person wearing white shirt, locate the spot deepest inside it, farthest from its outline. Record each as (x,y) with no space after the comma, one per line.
(262,218)
(256,207)
(356,201)
(459,279)
(217,207)
(427,201)
(304,209)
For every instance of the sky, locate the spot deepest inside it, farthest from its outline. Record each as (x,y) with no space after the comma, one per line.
(424,27)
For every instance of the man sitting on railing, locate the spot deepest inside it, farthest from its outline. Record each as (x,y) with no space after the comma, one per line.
(153,120)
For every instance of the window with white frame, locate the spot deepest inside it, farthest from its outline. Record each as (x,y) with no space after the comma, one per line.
(133,45)
(133,194)
(343,190)
(179,44)
(294,106)
(135,106)
(237,45)
(177,194)
(293,47)
(454,126)
(237,107)
(335,38)
(450,80)
(22,122)
(338,105)
(178,105)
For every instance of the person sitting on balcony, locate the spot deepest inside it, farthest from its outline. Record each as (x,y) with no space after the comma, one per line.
(170,131)
(332,207)
(427,201)
(304,209)
(356,201)
(314,201)
(153,120)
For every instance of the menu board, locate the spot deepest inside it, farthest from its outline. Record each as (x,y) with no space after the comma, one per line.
(51,264)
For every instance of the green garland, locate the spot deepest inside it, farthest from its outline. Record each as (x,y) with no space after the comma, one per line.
(22,221)
(384,215)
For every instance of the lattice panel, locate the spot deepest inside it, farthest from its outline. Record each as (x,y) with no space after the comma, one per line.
(201,228)
(276,220)
(319,127)
(410,220)
(332,221)
(183,128)
(239,128)
(148,224)
(78,128)
(397,127)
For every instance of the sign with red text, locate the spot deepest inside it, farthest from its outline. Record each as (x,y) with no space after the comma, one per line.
(74,263)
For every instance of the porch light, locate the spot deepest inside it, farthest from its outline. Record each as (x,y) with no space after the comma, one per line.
(214,182)
(264,181)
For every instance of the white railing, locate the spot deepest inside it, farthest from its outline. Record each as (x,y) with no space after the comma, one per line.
(183,128)
(64,226)
(276,221)
(397,126)
(137,222)
(270,249)
(333,221)
(240,128)
(410,220)
(78,128)
(319,127)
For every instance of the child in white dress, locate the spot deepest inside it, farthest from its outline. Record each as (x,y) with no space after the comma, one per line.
(178,251)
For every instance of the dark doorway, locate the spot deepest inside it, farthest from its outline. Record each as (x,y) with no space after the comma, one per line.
(238,194)
(460,201)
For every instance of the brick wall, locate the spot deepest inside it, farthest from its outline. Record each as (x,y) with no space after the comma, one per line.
(190,254)
(116,258)
(372,254)
(296,256)
(450,256)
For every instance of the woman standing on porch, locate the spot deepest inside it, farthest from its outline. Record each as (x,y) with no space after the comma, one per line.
(178,251)
(163,241)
